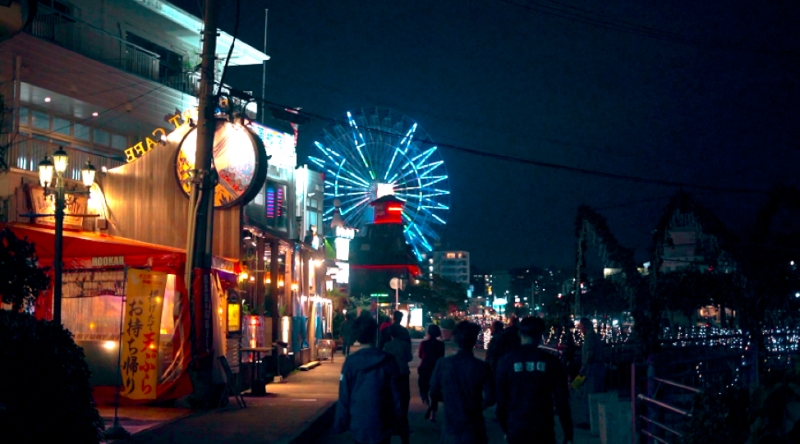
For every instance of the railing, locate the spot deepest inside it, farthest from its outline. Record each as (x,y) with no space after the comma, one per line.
(661,416)
(27,154)
(188,82)
(94,43)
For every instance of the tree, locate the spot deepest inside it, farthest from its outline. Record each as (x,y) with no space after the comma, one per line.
(21,277)
(605,297)
(438,294)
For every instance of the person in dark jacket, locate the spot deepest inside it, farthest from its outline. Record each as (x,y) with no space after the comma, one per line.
(511,339)
(430,351)
(397,325)
(369,398)
(494,351)
(401,350)
(346,333)
(529,380)
(464,383)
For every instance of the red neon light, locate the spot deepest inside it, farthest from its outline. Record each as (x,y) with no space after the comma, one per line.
(413,269)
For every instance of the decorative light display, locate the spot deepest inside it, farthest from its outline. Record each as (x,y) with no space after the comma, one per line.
(378,153)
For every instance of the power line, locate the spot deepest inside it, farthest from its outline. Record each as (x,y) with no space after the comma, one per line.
(610,23)
(517,159)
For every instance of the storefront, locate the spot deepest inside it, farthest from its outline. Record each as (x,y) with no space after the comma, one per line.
(94,278)
(140,211)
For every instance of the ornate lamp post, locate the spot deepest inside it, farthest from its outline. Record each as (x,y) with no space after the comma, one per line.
(51,174)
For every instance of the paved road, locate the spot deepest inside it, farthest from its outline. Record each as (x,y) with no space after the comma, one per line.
(424,431)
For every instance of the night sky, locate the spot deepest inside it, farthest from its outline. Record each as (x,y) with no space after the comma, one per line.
(698,93)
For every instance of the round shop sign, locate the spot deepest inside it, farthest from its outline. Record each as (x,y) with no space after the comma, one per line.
(239,159)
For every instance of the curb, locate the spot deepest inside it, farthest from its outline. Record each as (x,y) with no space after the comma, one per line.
(144,432)
(315,427)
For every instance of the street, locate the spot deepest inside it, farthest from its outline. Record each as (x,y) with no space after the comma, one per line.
(424,431)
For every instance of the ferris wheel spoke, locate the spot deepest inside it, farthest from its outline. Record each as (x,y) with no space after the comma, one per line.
(375,147)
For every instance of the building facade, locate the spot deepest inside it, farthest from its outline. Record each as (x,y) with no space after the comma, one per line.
(111,81)
(453,265)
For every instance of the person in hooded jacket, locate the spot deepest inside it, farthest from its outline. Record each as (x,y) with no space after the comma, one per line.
(370,404)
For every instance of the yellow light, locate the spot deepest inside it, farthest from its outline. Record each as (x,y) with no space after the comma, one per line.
(280,283)
(163,331)
(219,310)
(158,299)
(267,281)
(244,276)
(252,278)
(110,345)
(294,286)
(152,347)
(91,325)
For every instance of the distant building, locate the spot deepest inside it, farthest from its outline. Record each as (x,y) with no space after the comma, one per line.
(682,254)
(453,265)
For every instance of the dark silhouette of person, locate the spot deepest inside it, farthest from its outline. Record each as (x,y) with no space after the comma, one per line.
(529,382)
(430,351)
(494,352)
(369,398)
(401,350)
(464,383)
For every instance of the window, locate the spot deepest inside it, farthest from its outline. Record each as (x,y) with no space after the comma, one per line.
(40,120)
(119,142)
(61,126)
(23,116)
(102,137)
(82,132)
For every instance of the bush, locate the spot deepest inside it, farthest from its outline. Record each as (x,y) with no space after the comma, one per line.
(719,416)
(45,392)
(336,324)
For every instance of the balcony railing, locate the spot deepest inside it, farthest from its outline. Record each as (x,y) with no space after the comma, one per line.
(26,155)
(94,43)
(188,82)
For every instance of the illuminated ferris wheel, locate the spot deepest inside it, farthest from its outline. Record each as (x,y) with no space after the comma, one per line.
(381,152)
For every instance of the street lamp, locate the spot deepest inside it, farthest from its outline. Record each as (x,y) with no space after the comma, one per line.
(51,174)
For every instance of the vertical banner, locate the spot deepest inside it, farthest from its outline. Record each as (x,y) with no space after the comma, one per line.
(141,331)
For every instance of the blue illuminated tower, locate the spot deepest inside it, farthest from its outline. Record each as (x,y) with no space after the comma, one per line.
(381,152)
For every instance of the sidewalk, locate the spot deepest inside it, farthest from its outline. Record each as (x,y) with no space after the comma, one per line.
(292,412)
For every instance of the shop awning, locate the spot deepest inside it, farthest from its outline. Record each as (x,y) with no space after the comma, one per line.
(88,245)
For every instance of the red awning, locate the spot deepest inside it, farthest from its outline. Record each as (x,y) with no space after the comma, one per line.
(86,244)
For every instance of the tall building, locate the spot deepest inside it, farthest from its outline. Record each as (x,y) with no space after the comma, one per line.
(453,265)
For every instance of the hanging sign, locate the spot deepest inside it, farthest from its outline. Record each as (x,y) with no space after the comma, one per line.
(44,204)
(238,157)
(141,333)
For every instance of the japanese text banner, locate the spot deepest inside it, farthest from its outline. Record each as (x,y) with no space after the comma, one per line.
(141,332)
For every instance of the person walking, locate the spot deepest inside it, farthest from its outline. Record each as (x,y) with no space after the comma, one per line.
(401,350)
(511,339)
(464,383)
(430,351)
(494,352)
(529,381)
(593,368)
(346,333)
(369,403)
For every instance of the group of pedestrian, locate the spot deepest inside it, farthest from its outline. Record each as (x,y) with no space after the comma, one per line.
(524,382)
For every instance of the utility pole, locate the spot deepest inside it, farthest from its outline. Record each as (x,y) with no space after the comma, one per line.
(201,222)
